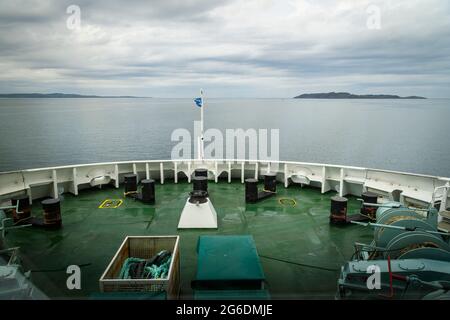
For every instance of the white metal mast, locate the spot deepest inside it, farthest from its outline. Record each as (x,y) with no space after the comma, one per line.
(201,146)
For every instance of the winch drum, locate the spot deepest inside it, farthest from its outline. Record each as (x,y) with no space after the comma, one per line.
(385,235)
(413,239)
(394,214)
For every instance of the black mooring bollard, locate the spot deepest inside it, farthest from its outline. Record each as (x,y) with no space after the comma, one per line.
(130,181)
(200,183)
(148,191)
(270,182)
(251,190)
(201,172)
(52,213)
(367,210)
(338,210)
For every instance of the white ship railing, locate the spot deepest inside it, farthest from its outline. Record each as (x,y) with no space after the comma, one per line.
(416,189)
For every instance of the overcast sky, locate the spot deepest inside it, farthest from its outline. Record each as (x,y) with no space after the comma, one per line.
(231,48)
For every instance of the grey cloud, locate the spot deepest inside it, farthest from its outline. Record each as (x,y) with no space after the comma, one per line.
(250,48)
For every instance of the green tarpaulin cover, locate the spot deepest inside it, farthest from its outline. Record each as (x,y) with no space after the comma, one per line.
(228,258)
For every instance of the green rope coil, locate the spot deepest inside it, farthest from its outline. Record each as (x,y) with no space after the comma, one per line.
(155,272)
(149,269)
(125,271)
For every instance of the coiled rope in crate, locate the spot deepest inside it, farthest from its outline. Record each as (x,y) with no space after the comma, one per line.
(156,267)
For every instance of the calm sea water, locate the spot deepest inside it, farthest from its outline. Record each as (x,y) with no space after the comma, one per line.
(405,135)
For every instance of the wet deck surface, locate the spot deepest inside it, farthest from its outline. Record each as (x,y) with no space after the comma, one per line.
(90,237)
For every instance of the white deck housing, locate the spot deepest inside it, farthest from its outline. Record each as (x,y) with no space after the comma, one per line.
(198,216)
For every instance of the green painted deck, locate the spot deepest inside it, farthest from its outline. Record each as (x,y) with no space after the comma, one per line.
(90,237)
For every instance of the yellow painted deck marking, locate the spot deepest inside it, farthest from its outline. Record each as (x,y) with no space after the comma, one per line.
(111,204)
(287,202)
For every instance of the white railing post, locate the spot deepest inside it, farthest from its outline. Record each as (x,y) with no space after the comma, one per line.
(341,183)
(116,172)
(135,172)
(30,196)
(229,172)
(75,184)
(286,175)
(147,171)
(175,166)
(161,172)
(325,185)
(216,175)
(189,172)
(55,184)
(242,171)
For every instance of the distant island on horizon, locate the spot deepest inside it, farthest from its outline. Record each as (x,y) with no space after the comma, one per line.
(346,95)
(329,95)
(57,95)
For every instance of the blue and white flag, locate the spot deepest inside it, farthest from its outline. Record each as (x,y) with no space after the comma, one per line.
(198,102)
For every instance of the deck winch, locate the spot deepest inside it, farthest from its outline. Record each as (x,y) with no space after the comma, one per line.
(399,279)
(14,283)
(444,220)
(420,256)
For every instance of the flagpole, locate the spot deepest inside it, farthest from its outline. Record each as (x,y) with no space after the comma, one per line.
(201,125)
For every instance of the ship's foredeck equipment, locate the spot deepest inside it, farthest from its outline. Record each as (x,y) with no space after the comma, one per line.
(299,222)
(367,209)
(130,184)
(21,208)
(201,172)
(52,213)
(52,218)
(339,214)
(198,212)
(8,223)
(338,210)
(13,284)
(399,279)
(420,253)
(134,271)
(147,192)
(444,223)
(251,188)
(228,267)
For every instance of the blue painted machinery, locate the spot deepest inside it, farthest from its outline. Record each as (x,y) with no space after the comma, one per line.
(14,283)
(409,258)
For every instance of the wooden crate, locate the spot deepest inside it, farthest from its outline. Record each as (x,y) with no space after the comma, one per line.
(144,247)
